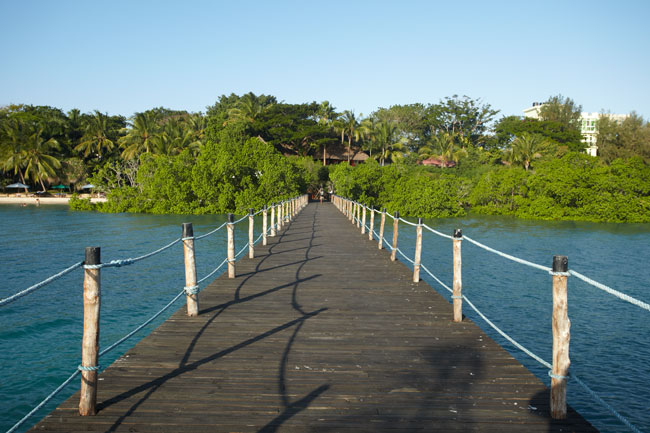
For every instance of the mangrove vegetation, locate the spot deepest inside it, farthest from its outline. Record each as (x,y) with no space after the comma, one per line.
(439,159)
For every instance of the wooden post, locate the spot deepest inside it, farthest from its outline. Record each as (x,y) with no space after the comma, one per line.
(363,221)
(561,337)
(280,216)
(265,226)
(231,245)
(273,220)
(382,223)
(351,211)
(90,341)
(457,293)
(251,233)
(418,251)
(393,254)
(372,223)
(191,288)
(358,215)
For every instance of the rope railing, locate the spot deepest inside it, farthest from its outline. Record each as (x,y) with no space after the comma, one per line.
(37,286)
(508,256)
(92,267)
(560,274)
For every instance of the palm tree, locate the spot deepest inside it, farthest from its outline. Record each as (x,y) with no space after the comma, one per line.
(525,148)
(174,138)
(95,139)
(11,153)
(447,147)
(249,107)
(326,116)
(39,163)
(197,123)
(349,125)
(370,131)
(139,138)
(390,146)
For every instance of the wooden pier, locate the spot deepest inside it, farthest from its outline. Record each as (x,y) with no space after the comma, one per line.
(320,332)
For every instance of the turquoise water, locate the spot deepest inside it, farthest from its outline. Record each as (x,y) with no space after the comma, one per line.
(40,334)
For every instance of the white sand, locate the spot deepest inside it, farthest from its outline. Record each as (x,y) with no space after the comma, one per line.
(14,199)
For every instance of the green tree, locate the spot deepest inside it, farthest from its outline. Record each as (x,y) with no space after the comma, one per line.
(326,116)
(525,148)
(562,110)
(349,126)
(96,140)
(38,159)
(249,107)
(623,139)
(391,148)
(139,138)
(510,127)
(466,118)
(14,135)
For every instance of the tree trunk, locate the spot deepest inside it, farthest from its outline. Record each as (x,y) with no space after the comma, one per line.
(324,154)
(349,146)
(22,178)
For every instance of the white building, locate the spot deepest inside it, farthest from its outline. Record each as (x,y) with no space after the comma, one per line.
(588,125)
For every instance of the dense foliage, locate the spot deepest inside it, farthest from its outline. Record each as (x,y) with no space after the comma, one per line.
(249,150)
(573,187)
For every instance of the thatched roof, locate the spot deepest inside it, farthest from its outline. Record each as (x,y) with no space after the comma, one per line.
(336,152)
(437,162)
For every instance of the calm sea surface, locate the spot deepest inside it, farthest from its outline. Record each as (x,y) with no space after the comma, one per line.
(40,334)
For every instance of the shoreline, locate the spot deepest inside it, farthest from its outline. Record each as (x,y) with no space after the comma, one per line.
(44,200)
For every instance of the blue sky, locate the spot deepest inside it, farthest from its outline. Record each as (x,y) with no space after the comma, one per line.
(122,57)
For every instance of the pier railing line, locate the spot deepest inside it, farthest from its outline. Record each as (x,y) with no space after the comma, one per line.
(281,213)
(559,372)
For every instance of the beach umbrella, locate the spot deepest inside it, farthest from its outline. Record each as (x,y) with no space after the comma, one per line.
(59,187)
(17,185)
(89,186)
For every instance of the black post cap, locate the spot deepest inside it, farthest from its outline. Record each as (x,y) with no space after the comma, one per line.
(231,218)
(188,230)
(396,215)
(251,211)
(419,221)
(560,264)
(383,210)
(458,233)
(93,256)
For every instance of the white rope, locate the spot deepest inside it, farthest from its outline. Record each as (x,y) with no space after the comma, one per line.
(611,291)
(436,232)
(121,340)
(213,272)
(606,405)
(242,250)
(405,256)
(508,256)
(436,278)
(160,250)
(44,402)
(241,219)
(209,233)
(41,284)
(408,222)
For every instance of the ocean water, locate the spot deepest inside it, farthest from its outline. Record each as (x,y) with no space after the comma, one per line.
(40,334)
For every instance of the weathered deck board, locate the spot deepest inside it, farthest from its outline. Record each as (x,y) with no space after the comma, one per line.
(320,332)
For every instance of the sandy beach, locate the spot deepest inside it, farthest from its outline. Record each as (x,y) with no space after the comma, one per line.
(14,199)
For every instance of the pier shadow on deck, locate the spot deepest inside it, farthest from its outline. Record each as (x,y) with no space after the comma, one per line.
(321,332)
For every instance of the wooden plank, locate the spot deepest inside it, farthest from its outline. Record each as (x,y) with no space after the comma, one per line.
(319,332)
